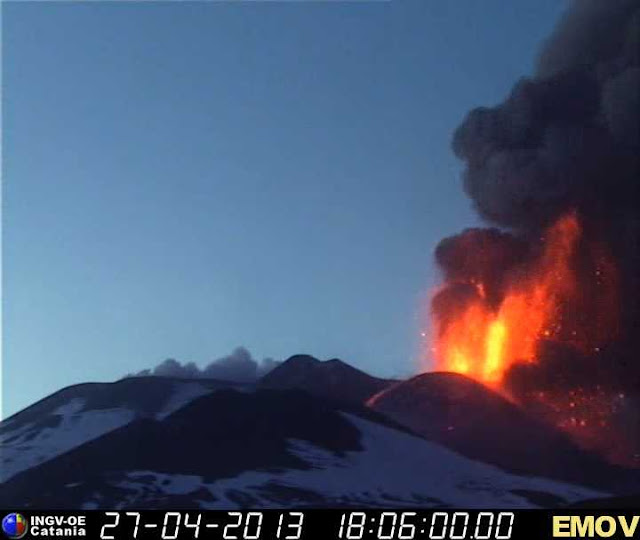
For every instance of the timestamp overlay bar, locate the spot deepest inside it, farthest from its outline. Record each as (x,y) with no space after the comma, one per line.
(323,524)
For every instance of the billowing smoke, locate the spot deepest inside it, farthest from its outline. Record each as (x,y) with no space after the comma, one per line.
(239,366)
(569,136)
(478,256)
(565,140)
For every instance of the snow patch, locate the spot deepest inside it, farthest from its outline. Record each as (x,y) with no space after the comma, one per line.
(393,469)
(29,445)
(141,484)
(418,470)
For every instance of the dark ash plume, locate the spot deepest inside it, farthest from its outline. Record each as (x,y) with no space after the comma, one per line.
(566,139)
(484,256)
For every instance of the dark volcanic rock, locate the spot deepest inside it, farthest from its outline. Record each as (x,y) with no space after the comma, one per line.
(631,502)
(471,419)
(332,379)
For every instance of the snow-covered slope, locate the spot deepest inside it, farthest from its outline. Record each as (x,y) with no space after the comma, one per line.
(66,427)
(269,448)
(417,473)
(81,413)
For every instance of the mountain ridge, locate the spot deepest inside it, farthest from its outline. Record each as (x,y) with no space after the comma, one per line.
(274,448)
(334,378)
(316,433)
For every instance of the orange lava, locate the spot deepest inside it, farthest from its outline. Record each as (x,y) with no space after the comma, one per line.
(565,294)
(484,341)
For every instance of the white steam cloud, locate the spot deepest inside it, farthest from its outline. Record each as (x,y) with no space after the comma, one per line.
(239,366)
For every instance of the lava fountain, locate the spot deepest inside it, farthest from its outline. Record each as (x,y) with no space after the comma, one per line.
(507,303)
(483,338)
(544,306)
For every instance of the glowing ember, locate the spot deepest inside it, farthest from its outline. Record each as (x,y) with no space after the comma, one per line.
(593,417)
(490,317)
(484,341)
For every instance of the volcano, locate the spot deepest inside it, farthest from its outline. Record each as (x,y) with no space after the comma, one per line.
(469,418)
(149,442)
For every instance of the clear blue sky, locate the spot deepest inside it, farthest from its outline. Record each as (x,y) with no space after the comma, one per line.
(183,178)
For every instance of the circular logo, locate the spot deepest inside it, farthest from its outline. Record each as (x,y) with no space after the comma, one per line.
(15,525)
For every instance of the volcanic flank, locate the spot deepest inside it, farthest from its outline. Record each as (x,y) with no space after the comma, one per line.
(545,309)
(469,418)
(159,442)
